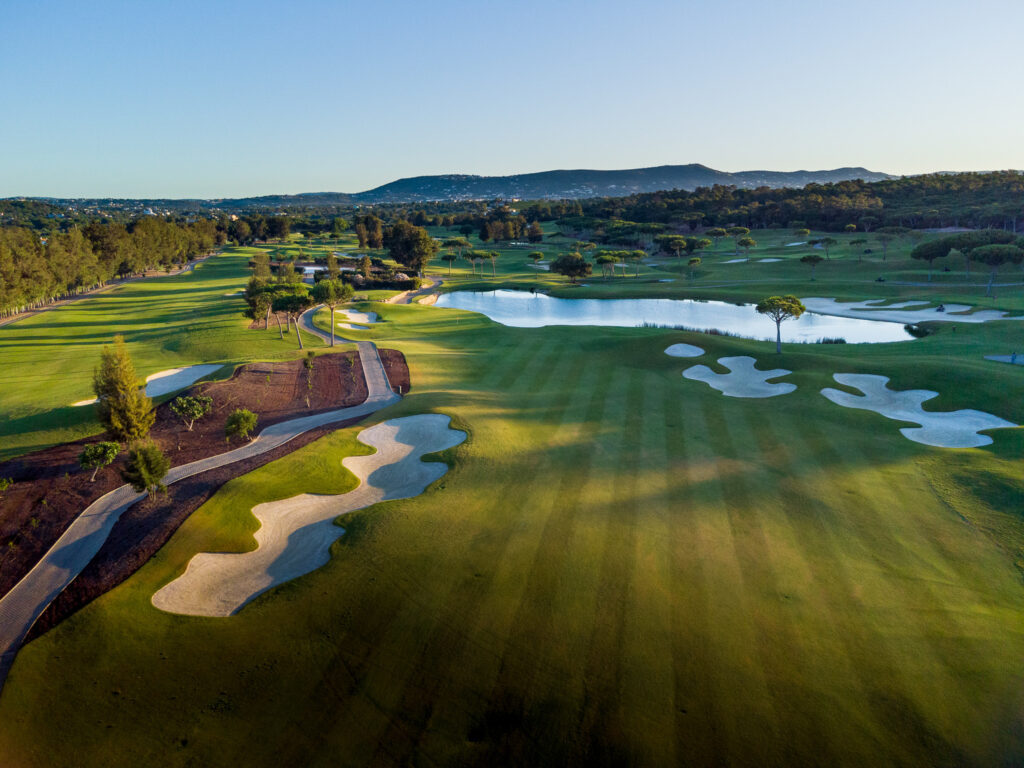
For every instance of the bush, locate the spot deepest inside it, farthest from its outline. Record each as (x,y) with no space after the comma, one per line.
(147,466)
(240,423)
(919,331)
(191,408)
(97,456)
(381,283)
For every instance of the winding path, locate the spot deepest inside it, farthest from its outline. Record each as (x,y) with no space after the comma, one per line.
(27,600)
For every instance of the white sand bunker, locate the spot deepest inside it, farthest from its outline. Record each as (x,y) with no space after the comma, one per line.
(734,261)
(684,350)
(296,534)
(897,313)
(171,380)
(235,293)
(950,429)
(802,242)
(357,321)
(1012,359)
(768,261)
(743,381)
(546,266)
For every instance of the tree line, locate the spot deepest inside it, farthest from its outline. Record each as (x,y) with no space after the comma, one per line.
(37,270)
(973,200)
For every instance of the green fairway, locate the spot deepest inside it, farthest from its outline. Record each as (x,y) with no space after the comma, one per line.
(622,566)
(47,360)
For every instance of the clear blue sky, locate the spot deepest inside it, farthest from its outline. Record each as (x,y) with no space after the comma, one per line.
(209,99)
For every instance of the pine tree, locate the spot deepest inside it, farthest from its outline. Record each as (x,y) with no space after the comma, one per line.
(146,468)
(121,403)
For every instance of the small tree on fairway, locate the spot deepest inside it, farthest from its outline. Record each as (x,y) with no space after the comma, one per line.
(97,456)
(607,262)
(121,404)
(780,308)
(827,243)
(887,235)
(332,293)
(293,305)
(996,255)
(333,272)
(636,257)
(571,265)
(850,228)
(696,244)
(856,243)
(930,251)
(693,264)
(802,232)
(191,408)
(240,423)
(814,260)
(146,468)
(737,233)
(449,257)
(746,243)
(535,256)
(716,234)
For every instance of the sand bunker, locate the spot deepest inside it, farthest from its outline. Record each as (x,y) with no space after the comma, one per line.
(540,265)
(950,429)
(768,261)
(235,293)
(171,380)
(357,321)
(684,350)
(790,245)
(1012,359)
(743,381)
(734,261)
(897,313)
(296,534)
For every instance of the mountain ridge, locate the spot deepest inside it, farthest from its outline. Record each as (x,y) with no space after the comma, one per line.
(576,183)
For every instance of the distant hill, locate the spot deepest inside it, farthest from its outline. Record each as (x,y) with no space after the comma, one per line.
(524,186)
(588,183)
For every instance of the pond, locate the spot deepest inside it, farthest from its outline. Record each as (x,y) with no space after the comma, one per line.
(522,309)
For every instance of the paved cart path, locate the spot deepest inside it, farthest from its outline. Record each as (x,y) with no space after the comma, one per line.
(27,600)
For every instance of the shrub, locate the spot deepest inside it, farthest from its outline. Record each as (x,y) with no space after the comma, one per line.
(97,456)
(240,423)
(147,466)
(191,408)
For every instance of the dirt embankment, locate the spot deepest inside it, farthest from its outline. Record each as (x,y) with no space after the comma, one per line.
(50,489)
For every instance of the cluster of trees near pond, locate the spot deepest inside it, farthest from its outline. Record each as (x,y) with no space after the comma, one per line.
(36,270)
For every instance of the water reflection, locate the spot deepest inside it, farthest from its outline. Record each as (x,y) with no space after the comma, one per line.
(528,310)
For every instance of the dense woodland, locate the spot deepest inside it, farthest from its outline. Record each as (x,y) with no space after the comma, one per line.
(973,200)
(35,270)
(48,250)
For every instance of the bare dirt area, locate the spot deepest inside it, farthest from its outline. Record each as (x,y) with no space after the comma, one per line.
(50,489)
(396,369)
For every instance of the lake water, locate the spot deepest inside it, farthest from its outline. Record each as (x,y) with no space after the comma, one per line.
(522,309)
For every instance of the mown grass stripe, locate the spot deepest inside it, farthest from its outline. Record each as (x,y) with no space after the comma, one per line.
(511,700)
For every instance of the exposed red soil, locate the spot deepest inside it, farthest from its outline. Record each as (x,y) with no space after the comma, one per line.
(396,369)
(50,489)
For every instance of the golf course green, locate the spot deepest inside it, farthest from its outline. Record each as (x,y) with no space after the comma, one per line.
(622,566)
